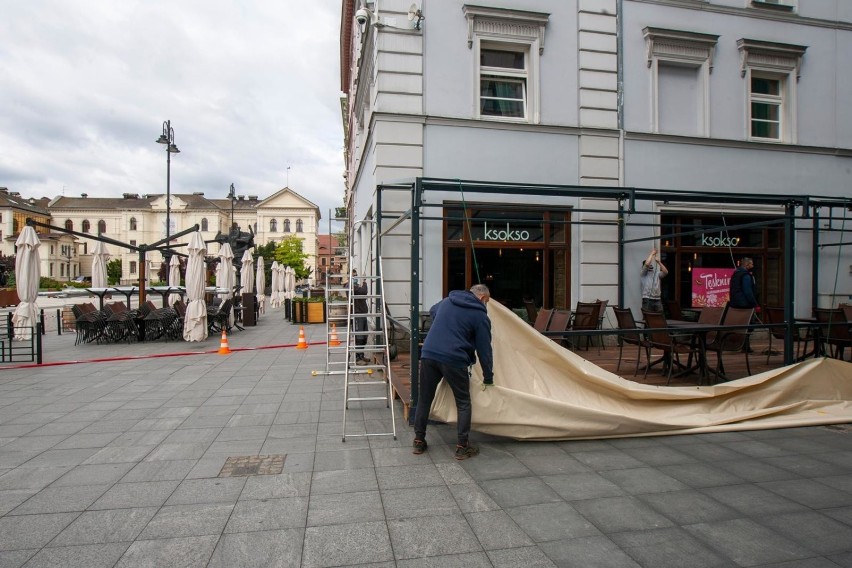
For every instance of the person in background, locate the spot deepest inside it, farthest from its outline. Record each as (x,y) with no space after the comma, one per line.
(652,272)
(743,285)
(359,306)
(460,327)
(743,294)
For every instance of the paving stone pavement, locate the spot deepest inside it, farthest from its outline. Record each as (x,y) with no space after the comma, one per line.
(117,464)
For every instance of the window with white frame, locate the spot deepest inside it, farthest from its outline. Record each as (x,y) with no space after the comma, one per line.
(507,46)
(680,63)
(502,82)
(766,102)
(771,71)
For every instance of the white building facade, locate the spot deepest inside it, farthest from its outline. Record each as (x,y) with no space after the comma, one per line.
(727,97)
(138,220)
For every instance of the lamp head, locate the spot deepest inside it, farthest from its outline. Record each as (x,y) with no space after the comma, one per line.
(173,149)
(163,139)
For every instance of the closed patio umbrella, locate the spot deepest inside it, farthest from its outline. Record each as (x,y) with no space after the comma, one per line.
(174,278)
(283,271)
(225,275)
(247,273)
(291,282)
(195,320)
(260,284)
(100,256)
(273,295)
(27,277)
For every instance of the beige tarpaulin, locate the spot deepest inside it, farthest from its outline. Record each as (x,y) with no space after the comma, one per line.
(545,392)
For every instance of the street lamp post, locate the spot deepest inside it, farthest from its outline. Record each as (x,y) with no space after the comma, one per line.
(168,139)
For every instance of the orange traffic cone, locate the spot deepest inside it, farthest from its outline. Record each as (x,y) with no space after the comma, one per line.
(223,346)
(333,341)
(302,343)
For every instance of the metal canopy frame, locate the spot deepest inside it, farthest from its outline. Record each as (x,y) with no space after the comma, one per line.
(162,246)
(807,207)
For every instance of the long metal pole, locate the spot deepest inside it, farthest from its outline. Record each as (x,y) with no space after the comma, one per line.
(168,194)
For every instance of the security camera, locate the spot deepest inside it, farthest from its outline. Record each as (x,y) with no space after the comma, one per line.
(362,16)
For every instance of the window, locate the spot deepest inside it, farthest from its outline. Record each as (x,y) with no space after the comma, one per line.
(51,250)
(766,101)
(273,225)
(204,224)
(771,71)
(507,46)
(132,267)
(502,83)
(101,226)
(780,5)
(133,224)
(298,225)
(69,225)
(86,226)
(50,269)
(286,225)
(680,63)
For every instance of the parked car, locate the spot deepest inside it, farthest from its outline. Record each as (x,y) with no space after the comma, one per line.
(83,279)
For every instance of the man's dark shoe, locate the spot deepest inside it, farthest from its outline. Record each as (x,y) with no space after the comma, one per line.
(464,452)
(419,446)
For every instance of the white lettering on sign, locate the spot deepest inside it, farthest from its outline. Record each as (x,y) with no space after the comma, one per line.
(720,241)
(712,281)
(507,234)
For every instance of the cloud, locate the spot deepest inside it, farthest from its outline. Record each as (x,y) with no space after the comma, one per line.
(250,91)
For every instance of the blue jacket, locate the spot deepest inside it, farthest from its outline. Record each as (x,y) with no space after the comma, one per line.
(742,289)
(460,326)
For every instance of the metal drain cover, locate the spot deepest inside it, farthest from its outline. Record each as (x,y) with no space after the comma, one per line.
(242,466)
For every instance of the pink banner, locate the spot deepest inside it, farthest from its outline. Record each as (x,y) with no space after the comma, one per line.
(711,286)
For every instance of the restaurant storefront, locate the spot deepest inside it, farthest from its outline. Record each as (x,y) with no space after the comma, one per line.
(700,262)
(518,253)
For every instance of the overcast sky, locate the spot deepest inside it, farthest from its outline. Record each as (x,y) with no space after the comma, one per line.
(251,88)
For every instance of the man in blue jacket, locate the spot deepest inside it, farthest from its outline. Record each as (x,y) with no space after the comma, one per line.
(742,294)
(460,327)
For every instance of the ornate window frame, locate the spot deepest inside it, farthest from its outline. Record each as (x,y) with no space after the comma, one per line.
(690,49)
(772,60)
(512,30)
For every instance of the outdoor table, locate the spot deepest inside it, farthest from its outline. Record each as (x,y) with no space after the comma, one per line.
(698,333)
(127,291)
(164,291)
(100,293)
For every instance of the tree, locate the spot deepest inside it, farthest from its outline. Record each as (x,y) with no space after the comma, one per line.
(114,271)
(289,253)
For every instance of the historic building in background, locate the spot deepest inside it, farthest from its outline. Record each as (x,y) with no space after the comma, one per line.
(141,219)
(714,96)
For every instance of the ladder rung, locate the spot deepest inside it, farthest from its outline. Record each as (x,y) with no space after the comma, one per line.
(363,398)
(368,382)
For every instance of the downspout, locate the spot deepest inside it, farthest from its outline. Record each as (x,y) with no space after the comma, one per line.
(619,48)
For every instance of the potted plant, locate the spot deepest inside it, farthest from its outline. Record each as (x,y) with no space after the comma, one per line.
(309,310)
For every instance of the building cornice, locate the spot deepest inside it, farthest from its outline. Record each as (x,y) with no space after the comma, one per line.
(738,144)
(751,12)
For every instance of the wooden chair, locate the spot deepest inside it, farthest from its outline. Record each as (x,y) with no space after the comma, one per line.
(624,317)
(672,307)
(532,313)
(732,341)
(834,330)
(665,341)
(775,315)
(542,319)
(586,318)
(560,321)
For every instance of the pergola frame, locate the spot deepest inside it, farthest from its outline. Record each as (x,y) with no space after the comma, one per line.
(806,206)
